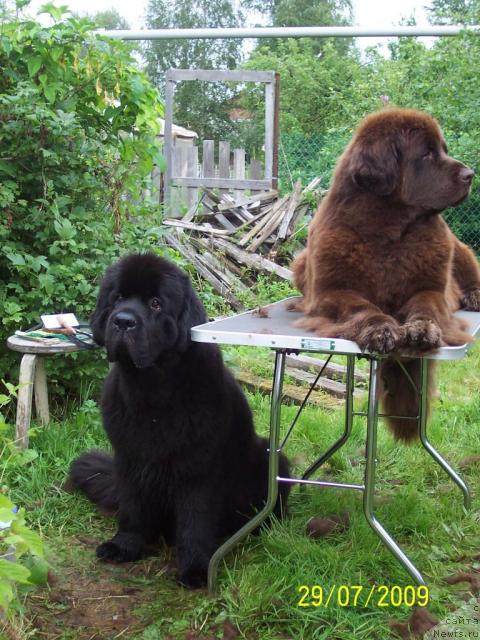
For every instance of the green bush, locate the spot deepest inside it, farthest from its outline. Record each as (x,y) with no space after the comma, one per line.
(21,549)
(78,121)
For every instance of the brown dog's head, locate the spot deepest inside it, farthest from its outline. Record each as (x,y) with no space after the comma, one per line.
(401,154)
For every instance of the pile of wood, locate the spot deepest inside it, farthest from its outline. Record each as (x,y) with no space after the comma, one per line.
(303,370)
(221,236)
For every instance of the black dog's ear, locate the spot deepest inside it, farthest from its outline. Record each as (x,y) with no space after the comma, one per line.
(375,166)
(192,314)
(98,319)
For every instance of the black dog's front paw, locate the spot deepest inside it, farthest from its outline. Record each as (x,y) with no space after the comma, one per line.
(193,576)
(121,548)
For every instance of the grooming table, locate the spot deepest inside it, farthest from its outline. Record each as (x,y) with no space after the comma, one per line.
(273,327)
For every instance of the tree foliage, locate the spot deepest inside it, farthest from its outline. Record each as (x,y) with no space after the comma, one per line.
(294,13)
(201,106)
(109,19)
(77,138)
(454,11)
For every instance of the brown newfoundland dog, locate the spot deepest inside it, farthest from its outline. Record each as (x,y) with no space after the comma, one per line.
(381,266)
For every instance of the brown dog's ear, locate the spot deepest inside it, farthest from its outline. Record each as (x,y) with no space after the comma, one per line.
(375,166)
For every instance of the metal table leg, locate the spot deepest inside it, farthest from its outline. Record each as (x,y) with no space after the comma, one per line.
(350,387)
(467,497)
(369,492)
(276,403)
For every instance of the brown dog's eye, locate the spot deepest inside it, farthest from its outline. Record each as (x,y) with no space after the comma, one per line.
(155,304)
(428,156)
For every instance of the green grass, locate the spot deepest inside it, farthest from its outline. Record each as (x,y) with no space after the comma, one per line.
(259,584)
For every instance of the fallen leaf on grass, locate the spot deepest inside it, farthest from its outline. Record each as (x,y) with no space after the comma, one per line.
(88,540)
(230,631)
(469,461)
(321,527)
(472,579)
(419,623)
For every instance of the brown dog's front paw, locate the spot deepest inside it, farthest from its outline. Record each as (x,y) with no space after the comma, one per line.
(422,335)
(383,337)
(471,301)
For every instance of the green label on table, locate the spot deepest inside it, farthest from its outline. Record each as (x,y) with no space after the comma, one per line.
(318,344)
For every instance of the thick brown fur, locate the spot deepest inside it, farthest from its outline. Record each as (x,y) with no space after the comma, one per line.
(381,266)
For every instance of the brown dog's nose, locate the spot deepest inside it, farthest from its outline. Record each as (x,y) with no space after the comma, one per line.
(466,174)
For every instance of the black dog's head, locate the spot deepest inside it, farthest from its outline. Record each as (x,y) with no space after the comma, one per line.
(145,308)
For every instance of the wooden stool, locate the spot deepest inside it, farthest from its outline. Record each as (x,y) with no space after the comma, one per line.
(33,379)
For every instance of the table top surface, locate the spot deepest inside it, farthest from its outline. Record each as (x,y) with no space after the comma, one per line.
(273,326)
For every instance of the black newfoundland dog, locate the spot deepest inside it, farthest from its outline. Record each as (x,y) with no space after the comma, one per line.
(187,465)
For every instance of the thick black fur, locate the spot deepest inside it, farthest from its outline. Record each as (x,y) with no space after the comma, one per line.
(187,464)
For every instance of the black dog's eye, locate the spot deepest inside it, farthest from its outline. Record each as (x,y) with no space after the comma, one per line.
(117,298)
(155,304)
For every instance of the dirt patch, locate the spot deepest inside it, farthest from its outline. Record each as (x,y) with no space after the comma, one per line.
(89,600)
(94,607)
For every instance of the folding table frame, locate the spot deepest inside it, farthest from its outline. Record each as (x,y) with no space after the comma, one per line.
(274,328)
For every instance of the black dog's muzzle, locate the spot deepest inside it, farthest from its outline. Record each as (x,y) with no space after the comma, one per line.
(124,321)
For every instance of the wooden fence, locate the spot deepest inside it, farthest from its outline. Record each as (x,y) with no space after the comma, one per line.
(227,170)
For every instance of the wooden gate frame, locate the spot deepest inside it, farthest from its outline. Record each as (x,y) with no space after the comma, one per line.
(271,81)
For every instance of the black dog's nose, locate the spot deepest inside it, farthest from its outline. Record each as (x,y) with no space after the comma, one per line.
(466,174)
(124,320)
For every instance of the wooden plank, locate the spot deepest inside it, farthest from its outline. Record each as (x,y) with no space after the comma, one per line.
(262,197)
(24,399)
(276,207)
(313,184)
(192,171)
(290,392)
(181,224)
(255,171)
(251,260)
(225,222)
(168,141)
(217,284)
(332,387)
(223,161)
(269,130)
(242,213)
(229,264)
(216,75)
(225,183)
(178,194)
(283,231)
(208,159)
(271,225)
(41,392)
(213,196)
(332,370)
(191,213)
(239,172)
(300,211)
(276,129)
(219,267)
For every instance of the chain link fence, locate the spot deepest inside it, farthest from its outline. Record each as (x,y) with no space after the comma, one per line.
(304,157)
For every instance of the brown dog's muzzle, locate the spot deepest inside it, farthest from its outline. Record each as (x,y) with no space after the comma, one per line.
(466,175)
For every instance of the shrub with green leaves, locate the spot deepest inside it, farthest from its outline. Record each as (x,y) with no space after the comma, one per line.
(21,549)
(78,121)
